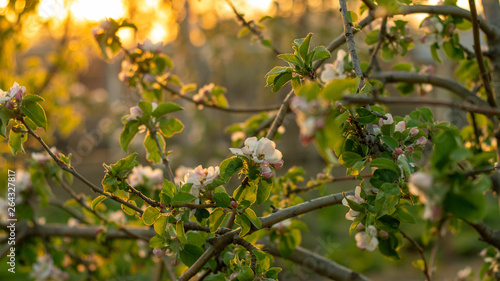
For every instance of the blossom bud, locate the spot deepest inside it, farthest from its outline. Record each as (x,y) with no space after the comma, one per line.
(410,149)
(18,97)
(387,121)
(278,165)
(400,126)
(451,28)
(158,252)
(421,141)
(233,275)
(398,151)
(383,234)
(421,181)
(9,104)
(136,111)
(414,131)
(234,204)
(267,172)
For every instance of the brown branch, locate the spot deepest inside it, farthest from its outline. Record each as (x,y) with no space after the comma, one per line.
(479,54)
(250,248)
(280,116)
(250,26)
(350,43)
(164,158)
(426,269)
(318,264)
(456,88)
(418,101)
(381,36)
(487,234)
(370,4)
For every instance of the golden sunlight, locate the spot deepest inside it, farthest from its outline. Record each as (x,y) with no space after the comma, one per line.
(262,5)
(96,10)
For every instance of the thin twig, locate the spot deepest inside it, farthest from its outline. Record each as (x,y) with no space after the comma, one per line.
(170,269)
(164,158)
(479,55)
(302,189)
(381,36)
(72,212)
(250,248)
(420,251)
(250,26)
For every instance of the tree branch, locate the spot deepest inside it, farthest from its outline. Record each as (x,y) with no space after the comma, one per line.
(164,158)
(454,87)
(479,54)
(350,43)
(420,251)
(487,234)
(302,189)
(317,263)
(428,102)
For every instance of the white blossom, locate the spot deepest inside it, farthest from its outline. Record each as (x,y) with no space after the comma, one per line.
(334,70)
(351,214)
(400,126)
(387,121)
(44,269)
(145,175)
(367,240)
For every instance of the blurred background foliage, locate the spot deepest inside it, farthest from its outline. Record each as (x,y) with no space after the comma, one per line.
(48,47)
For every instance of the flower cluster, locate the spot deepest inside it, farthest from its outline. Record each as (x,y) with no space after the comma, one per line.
(200,177)
(351,214)
(310,116)
(263,152)
(145,176)
(334,70)
(15,92)
(367,240)
(44,269)
(204,94)
(42,158)
(401,127)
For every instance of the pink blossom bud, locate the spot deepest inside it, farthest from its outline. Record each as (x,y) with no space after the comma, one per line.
(319,124)
(233,275)
(320,176)
(267,172)
(158,252)
(414,131)
(174,262)
(421,141)
(278,165)
(10,104)
(21,91)
(423,38)
(387,121)
(410,149)
(18,97)
(234,204)
(430,69)
(342,110)
(383,234)
(136,111)
(398,151)
(400,126)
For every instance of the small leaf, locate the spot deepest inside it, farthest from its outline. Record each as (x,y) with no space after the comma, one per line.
(35,112)
(160,225)
(129,131)
(252,217)
(304,47)
(166,108)
(244,223)
(97,201)
(222,199)
(216,218)
(190,254)
(179,229)
(150,215)
(230,167)
(170,126)
(129,211)
(281,80)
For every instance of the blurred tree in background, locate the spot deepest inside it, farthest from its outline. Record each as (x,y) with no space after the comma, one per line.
(128,83)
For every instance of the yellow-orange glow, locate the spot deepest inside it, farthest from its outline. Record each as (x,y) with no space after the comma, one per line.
(158,33)
(52,9)
(262,5)
(3,3)
(96,10)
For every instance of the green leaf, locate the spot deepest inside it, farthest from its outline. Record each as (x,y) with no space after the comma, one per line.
(5,116)
(338,87)
(387,198)
(160,225)
(372,37)
(166,108)
(405,88)
(352,16)
(392,6)
(16,140)
(244,223)
(281,80)
(384,163)
(182,198)
(348,159)
(288,242)
(168,188)
(157,241)
(252,217)
(405,212)
(246,193)
(381,176)
(35,112)
(390,142)
(216,218)
(387,223)
(129,211)
(452,51)
(190,254)
(123,166)
(153,154)
(170,126)
(309,91)
(293,59)
(179,230)
(434,47)
(320,53)
(264,190)
(150,215)
(97,201)
(403,67)
(365,116)
(222,199)
(246,274)
(230,167)
(389,247)
(304,47)
(129,131)
(427,115)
